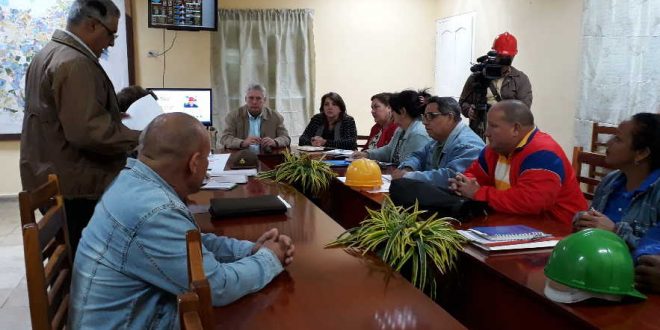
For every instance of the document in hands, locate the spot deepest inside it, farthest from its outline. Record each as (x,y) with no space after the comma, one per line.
(141,113)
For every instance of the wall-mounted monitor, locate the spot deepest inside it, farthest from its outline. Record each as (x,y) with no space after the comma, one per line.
(190,15)
(196,102)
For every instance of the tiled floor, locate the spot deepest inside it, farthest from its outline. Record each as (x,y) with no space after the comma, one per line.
(14,310)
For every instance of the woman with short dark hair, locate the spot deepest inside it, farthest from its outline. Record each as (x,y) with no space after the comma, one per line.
(332,127)
(627,201)
(407,109)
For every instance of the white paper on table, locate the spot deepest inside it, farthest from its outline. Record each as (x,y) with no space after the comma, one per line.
(199,208)
(310,148)
(339,152)
(217,162)
(142,112)
(212,184)
(234,178)
(247,172)
(384,188)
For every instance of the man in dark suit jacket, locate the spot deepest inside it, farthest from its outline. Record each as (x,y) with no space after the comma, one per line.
(254,123)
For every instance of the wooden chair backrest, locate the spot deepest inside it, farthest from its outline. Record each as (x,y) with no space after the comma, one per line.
(198,282)
(189,318)
(591,159)
(47,255)
(362,141)
(598,145)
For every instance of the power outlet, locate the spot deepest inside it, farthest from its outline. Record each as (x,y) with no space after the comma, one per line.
(152,53)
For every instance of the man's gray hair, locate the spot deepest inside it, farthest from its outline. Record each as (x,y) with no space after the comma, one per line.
(256,87)
(102,10)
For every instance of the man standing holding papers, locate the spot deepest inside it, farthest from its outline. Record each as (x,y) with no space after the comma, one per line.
(72,125)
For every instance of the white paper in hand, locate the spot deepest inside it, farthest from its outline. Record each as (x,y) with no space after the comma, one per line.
(142,112)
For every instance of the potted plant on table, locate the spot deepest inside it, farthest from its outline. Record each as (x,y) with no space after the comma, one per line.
(309,175)
(404,243)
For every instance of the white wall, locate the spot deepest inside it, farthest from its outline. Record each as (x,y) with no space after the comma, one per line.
(10,183)
(362,48)
(549,37)
(367,46)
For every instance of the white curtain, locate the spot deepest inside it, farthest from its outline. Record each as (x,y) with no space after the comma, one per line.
(271,47)
(620,66)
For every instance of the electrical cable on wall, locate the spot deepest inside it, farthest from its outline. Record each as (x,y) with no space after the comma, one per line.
(152,53)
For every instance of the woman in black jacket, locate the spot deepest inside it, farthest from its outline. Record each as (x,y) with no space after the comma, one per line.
(332,127)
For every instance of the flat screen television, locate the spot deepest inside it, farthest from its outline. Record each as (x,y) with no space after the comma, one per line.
(192,15)
(196,102)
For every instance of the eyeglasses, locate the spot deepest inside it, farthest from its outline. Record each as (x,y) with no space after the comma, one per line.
(428,116)
(111,33)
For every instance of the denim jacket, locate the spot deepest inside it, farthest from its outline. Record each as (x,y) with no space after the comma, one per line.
(414,138)
(132,261)
(639,225)
(461,148)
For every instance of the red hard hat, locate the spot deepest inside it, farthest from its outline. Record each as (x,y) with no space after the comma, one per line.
(506,44)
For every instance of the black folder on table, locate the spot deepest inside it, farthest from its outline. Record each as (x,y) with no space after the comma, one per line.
(248,206)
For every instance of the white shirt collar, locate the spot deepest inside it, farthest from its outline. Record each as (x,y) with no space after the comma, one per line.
(75,37)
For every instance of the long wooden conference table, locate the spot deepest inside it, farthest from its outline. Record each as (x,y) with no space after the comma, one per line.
(505,290)
(330,289)
(322,288)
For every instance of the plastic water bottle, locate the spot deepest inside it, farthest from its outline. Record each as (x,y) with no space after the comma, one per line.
(254,148)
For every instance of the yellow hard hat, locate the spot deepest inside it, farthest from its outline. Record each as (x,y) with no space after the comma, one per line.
(363,173)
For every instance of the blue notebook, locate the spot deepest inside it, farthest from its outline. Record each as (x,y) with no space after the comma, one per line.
(337,163)
(509,233)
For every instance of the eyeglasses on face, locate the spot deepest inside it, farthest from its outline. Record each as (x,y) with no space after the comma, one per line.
(428,116)
(110,32)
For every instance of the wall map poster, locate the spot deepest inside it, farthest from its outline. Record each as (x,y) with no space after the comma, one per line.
(25,27)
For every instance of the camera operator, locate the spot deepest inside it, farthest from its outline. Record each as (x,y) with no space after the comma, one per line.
(494,79)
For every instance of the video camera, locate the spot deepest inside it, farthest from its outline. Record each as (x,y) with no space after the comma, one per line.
(490,66)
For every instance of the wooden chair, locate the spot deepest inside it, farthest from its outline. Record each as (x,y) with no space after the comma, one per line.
(590,159)
(47,255)
(198,282)
(189,318)
(597,145)
(362,141)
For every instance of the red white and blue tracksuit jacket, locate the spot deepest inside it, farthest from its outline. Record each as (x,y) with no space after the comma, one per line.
(540,179)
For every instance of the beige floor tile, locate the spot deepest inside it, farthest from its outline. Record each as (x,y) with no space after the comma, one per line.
(18,297)
(13,266)
(15,318)
(4,294)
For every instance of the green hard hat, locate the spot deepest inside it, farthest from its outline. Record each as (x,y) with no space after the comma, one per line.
(596,261)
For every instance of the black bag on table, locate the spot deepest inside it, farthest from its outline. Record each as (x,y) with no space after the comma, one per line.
(247,206)
(404,192)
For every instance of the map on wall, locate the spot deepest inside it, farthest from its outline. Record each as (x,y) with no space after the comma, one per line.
(25,27)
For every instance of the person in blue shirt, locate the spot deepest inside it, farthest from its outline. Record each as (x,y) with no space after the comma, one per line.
(453,148)
(627,201)
(132,262)
(410,136)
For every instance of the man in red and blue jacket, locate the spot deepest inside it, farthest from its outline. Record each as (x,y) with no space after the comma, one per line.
(522,170)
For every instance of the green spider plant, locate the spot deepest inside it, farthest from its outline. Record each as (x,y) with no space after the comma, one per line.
(400,240)
(310,175)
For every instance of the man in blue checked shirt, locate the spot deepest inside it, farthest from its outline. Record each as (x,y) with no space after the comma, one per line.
(454,147)
(132,262)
